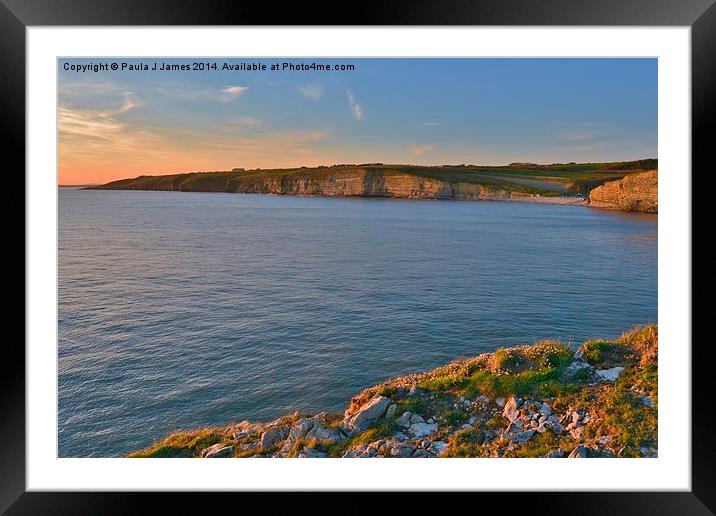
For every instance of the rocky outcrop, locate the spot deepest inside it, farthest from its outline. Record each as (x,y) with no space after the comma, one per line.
(635,192)
(365,415)
(542,400)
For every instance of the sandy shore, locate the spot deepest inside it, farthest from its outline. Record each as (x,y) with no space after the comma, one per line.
(569,201)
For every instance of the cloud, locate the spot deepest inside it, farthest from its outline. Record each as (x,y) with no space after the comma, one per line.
(311,91)
(356,110)
(244,122)
(429,124)
(421,149)
(231,92)
(86,123)
(100,145)
(235,90)
(129,104)
(93,124)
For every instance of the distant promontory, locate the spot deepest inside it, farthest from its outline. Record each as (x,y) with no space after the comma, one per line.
(558,183)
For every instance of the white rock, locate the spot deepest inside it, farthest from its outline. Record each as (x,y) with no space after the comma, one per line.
(523,437)
(417,419)
(438,447)
(576,366)
(299,429)
(423,429)
(401,450)
(217,451)
(272,437)
(321,433)
(404,420)
(391,411)
(373,409)
(610,375)
(511,412)
(500,402)
(245,429)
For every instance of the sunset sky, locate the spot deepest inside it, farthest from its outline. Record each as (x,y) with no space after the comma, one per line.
(118,124)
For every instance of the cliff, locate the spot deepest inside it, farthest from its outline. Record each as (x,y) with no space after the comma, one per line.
(541,400)
(331,182)
(635,192)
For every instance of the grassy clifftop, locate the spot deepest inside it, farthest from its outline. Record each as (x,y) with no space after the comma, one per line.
(377,179)
(539,400)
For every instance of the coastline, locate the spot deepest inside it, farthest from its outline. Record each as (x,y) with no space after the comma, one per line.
(555,200)
(563,201)
(538,400)
(632,191)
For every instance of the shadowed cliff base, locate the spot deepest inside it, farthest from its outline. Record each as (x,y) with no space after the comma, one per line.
(540,400)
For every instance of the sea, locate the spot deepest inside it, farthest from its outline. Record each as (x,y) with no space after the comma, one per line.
(179,310)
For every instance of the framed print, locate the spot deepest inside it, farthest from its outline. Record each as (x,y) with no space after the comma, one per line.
(436,254)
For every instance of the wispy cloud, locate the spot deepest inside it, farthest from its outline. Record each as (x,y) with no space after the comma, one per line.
(356,109)
(129,104)
(421,149)
(94,124)
(86,123)
(244,122)
(101,144)
(429,124)
(232,92)
(311,91)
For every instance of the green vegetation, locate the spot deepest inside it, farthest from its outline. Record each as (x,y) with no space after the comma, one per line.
(415,406)
(183,444)
(530,370)
(465,443)
(540,446)
(384,430)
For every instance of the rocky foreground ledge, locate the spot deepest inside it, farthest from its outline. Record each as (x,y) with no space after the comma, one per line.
(541,400)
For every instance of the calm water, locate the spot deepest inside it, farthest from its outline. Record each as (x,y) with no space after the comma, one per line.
(178,310)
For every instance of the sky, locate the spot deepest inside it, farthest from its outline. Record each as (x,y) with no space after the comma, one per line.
(125,123)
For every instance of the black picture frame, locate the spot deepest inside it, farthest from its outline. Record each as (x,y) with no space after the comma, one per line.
(17,15)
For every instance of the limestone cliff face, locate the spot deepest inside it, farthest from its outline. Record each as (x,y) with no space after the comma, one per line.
(635,192)
(354,182)
(367,183)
